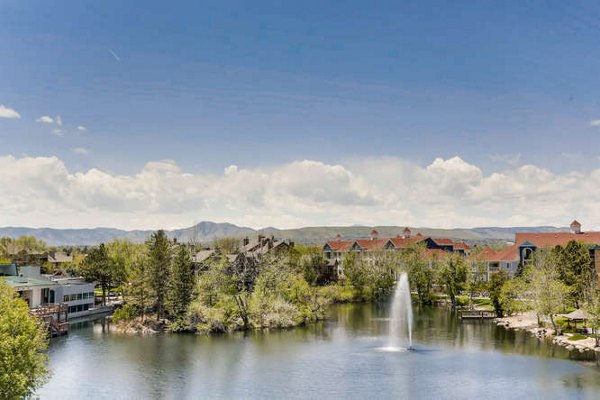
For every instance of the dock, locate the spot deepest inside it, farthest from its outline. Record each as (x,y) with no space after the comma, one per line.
(477,314)
(54,317)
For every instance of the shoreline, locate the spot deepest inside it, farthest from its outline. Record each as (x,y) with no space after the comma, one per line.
(528,322)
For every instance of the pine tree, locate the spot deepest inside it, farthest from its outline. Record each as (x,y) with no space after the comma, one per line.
(159,262)
(181,283)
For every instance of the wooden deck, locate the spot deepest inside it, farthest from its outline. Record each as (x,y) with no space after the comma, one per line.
(54,317)
(477,314)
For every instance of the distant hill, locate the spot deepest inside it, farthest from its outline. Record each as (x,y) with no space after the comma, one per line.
(205,232)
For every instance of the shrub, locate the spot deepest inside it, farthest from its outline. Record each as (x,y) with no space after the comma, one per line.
(126,313)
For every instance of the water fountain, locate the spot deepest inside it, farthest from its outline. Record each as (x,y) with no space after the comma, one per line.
(401,319)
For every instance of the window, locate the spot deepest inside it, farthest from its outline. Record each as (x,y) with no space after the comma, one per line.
(66,297)
(86,307)
(79,296)
(91,295)
(73,297)
(80,308)
(85,295)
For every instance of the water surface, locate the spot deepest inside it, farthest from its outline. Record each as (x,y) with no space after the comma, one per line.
(337,358)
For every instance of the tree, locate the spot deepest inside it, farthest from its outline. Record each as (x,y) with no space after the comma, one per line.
(159,262)
(476,275)
(421,275)
(512,296)
(592,307)
(453,274)
(549,293)
(575,269)
(227,245)
(181,283)
(23,344)
(495,284)
(139,282)
(124,255)
(98,267)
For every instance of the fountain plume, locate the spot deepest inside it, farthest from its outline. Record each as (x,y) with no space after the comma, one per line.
(401,319)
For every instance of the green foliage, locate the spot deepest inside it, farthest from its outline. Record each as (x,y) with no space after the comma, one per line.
(592,307)
(125,313)
(575,269)
(511,297)
(495,284)
(23,344)
(549,294)
(421,272)
(227,245)
(453,275)
(337,293)
(99,267)
(181,284)
(577,336)
(312,265)
(159,262)
(372,276)
(476,279)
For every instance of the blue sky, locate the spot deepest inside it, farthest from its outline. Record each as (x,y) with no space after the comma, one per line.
(263,84)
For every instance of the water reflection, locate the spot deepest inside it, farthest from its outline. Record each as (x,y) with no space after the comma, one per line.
(332,359)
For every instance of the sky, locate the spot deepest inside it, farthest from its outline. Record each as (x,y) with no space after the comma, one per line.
(287,114)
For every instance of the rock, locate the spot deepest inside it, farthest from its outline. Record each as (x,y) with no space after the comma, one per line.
(570,347)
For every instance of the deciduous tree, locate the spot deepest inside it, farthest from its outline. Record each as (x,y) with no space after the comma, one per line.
(22,348)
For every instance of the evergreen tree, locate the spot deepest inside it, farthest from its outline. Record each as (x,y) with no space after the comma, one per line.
(576,269)
(181,283)
(159,262)
(98,267)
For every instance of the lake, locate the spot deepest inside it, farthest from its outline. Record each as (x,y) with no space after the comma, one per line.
(336,358)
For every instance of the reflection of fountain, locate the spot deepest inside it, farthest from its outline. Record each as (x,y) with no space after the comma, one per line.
(401,319)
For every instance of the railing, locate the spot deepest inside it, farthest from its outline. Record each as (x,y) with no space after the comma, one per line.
(477,314)
(54,317)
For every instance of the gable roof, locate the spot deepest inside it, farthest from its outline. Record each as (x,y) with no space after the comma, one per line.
(371,244)
(403,243)
(340,245)
(510,253)
(552,239)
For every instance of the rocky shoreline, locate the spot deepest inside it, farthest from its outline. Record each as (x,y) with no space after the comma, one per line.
(529,323)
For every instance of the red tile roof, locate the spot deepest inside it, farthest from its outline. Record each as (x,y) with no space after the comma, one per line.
(371,244)
(552,239)
(340,245)
(461,246)
(403,243)
(510,253)
(443,241)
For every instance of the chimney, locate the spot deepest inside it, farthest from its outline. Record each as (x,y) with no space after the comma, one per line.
(575,227)
(406,233)
(374,234)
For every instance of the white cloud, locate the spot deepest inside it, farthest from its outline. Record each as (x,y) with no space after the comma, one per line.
(6,112)
(595,122)
(45,119)
(80,150)
(81,128)
(388,191)
(57,132)
(58,120)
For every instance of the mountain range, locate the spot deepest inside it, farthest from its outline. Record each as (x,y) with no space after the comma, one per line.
(205,232)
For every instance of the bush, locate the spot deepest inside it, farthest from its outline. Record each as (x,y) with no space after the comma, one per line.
(126,313)
(337,293)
